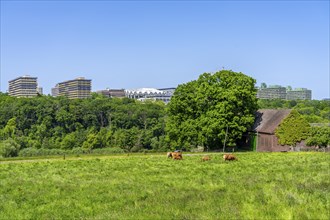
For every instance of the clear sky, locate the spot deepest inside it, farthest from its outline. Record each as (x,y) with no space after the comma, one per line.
(133,44)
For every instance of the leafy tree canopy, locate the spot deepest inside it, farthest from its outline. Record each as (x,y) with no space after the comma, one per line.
(319,136)
(314,111)
(293,129)
(46,122)
(201,110)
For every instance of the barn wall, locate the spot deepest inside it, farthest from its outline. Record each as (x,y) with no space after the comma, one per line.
(269,142)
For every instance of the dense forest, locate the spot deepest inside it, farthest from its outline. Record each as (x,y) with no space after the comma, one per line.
(48,125)
(55,125)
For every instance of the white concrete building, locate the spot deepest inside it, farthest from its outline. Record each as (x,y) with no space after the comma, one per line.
(143,94)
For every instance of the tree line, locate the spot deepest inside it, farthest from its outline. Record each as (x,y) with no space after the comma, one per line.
(314,111)
(211,112)
(46,122)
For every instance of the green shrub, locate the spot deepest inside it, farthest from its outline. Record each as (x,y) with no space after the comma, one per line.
(9,148)
(79,150)
(32,152)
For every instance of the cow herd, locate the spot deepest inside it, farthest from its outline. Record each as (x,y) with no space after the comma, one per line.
(177,155)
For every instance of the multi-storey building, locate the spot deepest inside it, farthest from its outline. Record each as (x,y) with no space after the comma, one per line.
(299,94)
(168,93)
(280,92)
(40,90)
(150,94)
(55,91)
(143,93)
(111,93)
(272,92)
(75,89)
(23,86)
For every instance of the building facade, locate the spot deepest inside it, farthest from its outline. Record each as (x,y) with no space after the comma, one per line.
(262,136)
(167,94)
(78,88)
(299,94)
(40,90)
(24,86)
(280,92)
(143,94)
(111,93)
(272,92)
(55,91)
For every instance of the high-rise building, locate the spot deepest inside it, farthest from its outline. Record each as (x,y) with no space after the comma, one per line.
(272,92)
(75,89)
(23,86)
(299,94)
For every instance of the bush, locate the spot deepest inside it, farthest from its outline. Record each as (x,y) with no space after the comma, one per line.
(9,148)
(31,152)
(319,136)
(79,150)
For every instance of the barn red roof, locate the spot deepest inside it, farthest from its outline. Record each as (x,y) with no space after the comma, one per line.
(267,120)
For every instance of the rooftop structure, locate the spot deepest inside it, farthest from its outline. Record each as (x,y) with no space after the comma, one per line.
(168,91)
(150,94)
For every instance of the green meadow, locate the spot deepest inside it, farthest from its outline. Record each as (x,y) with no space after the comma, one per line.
(257,186)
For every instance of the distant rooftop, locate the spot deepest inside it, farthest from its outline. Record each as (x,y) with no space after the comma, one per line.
(144,91)
(300,89)
(274,86)
(267,120)
(25,76)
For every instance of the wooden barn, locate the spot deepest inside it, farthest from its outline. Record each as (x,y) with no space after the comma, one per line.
(266,122)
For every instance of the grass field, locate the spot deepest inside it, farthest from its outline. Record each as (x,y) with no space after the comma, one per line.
(257,186)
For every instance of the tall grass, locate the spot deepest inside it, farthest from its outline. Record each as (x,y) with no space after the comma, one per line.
(257,186)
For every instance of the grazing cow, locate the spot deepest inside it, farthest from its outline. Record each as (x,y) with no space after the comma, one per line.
(229,157)
(206,158)
(175,155)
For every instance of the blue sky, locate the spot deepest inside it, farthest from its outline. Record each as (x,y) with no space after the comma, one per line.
(133,44)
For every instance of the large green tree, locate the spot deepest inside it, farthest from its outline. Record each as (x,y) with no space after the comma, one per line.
(293,129)
(201,111)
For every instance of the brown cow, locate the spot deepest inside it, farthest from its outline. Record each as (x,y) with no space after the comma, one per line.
(206,158)
(229,157)
(175,155)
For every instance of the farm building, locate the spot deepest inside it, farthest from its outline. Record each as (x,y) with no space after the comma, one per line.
(266,122)
(261,136)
